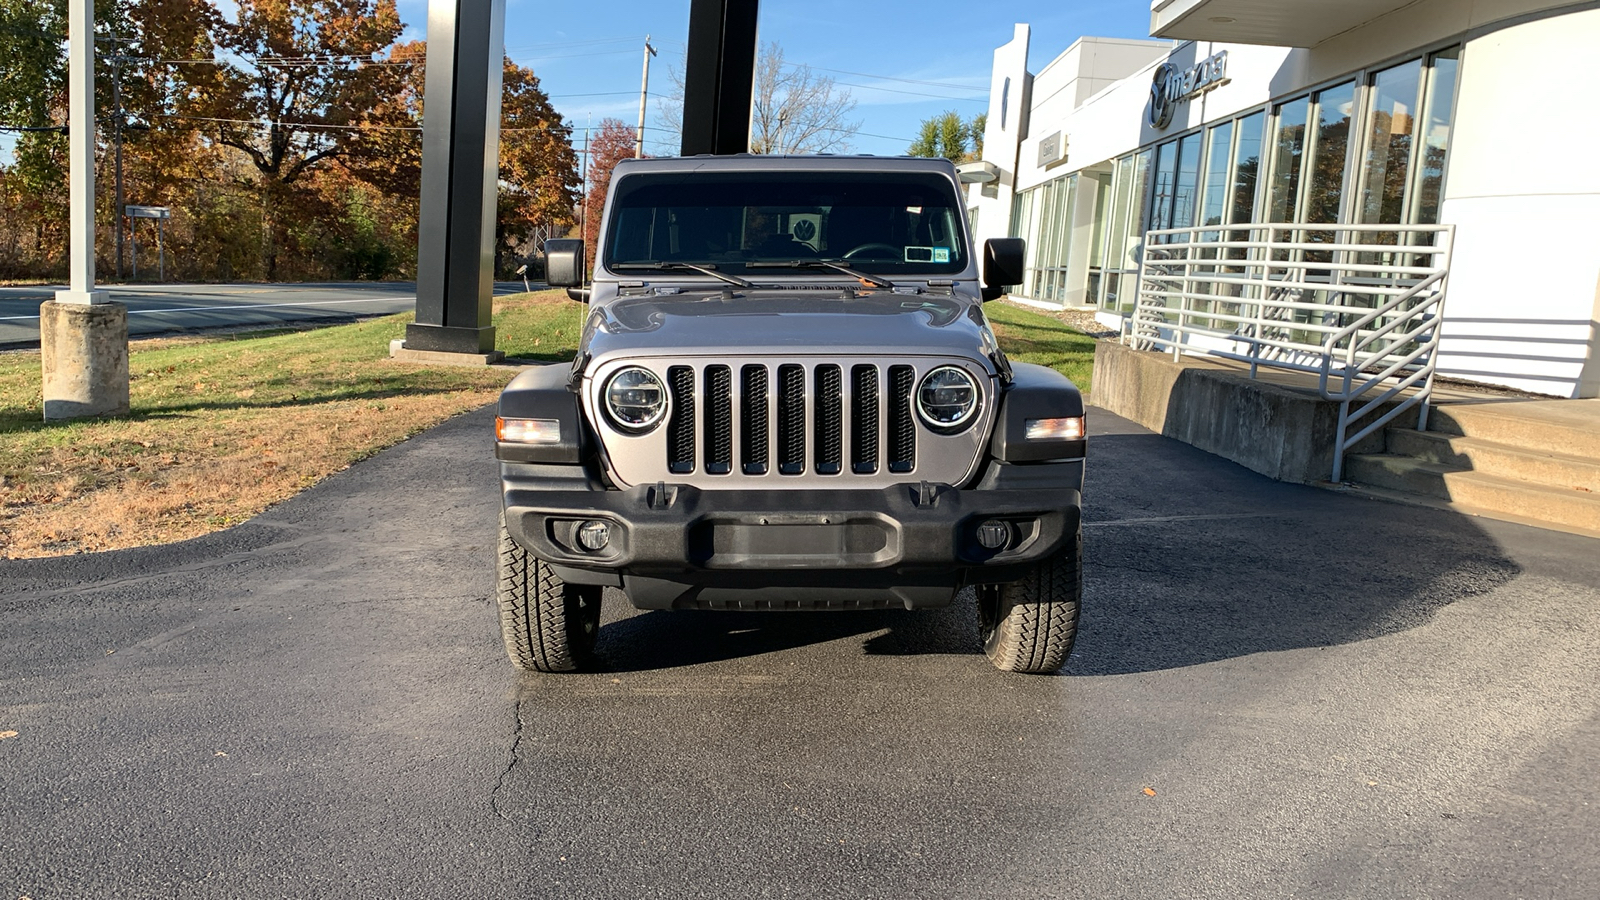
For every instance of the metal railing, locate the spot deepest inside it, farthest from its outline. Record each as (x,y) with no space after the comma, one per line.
(1356,305)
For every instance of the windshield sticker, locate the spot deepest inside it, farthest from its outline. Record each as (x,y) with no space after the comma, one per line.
(941,254)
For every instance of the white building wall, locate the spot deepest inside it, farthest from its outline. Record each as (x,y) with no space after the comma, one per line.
(1008,120)
(1524,194)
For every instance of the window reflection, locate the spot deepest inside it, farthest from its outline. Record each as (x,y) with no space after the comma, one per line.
(1326,181)
(1216,189)
(1187,188)
(1166,174)
(1288,147)
(1247,167)
(1391,112)
(1436,133)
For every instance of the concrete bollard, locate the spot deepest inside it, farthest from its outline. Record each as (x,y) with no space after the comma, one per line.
(85,354)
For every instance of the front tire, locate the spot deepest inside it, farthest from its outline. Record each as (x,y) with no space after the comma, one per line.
(1030,625)
(548,625)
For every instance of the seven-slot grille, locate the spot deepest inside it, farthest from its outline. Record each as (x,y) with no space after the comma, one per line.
(775,434)
(797,422)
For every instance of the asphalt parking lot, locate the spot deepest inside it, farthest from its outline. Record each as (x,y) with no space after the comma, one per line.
(1278,691)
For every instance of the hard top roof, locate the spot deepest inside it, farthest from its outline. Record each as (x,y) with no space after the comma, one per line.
(753,162)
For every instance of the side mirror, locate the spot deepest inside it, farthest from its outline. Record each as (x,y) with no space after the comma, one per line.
(563,263)
(1003,265)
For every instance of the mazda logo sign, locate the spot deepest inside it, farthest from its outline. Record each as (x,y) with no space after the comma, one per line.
(1173,84)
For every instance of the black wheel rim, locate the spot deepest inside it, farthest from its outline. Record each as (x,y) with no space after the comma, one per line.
(988,609)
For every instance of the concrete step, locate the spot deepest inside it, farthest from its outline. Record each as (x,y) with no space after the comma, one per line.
(1409,499)
(1571,427)
(1398,473)
(1557,470)
(1480,493)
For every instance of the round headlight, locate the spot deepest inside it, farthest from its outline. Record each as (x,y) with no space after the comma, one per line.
(947,398)
(636,399)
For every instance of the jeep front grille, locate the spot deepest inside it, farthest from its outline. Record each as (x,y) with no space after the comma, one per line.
(802,423)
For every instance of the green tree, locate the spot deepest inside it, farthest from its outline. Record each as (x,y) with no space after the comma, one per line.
(949,136)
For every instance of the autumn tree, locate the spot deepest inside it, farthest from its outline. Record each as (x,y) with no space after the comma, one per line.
(32,95)
(301,82)
(538,169)
(139,46)
(614,143)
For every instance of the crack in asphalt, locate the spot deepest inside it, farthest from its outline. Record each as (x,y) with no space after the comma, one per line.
(516,743)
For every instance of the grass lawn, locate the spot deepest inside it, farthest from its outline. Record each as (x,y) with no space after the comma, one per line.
(225,426)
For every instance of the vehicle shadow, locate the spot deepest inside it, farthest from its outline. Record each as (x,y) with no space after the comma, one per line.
(1189,559)
(665,640)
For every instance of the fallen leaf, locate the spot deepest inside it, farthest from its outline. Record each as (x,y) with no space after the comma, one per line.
(7,734)
(1149,792)
(220,753)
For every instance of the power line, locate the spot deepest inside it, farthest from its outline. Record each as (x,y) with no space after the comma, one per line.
(884,136)
(942,84)
(270,123)
(868,87)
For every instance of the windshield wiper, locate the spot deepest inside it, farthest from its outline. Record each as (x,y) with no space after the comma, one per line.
(686,267)
(835,265)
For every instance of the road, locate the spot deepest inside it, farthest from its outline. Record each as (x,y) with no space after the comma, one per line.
(1278,692)
(166,308)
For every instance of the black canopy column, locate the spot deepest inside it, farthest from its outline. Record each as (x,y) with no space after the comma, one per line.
(460,171)
(718,75)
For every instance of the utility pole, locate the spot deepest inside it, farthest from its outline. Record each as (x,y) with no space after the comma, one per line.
(118,120)
(583,176)
(116,140)
(644,89)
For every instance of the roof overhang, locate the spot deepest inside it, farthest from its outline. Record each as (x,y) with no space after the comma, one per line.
(1281,23)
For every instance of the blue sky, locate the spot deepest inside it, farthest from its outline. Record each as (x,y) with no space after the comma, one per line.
(589,55)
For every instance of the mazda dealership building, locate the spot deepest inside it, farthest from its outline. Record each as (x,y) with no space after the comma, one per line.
(1361,112)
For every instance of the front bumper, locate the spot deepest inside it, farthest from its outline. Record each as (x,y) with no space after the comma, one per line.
(901,539)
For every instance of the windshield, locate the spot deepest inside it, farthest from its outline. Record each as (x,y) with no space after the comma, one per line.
(905,223)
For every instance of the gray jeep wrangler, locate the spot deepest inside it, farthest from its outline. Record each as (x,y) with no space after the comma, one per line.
(786,396)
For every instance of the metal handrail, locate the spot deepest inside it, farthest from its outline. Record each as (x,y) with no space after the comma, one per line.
(1191,293)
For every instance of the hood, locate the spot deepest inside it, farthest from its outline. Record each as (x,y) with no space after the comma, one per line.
(776,322)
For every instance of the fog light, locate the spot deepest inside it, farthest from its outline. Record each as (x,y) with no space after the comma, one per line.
(594,536)
(994,534)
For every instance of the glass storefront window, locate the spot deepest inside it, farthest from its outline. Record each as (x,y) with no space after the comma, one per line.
(1247,167)
(1214,204)
(1185,193)
(1124,231)
(1391,114)
(1288,148)
(1166,176)
(1326,173)
(1436,134)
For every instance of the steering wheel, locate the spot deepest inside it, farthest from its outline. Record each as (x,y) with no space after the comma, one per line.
(894,252)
